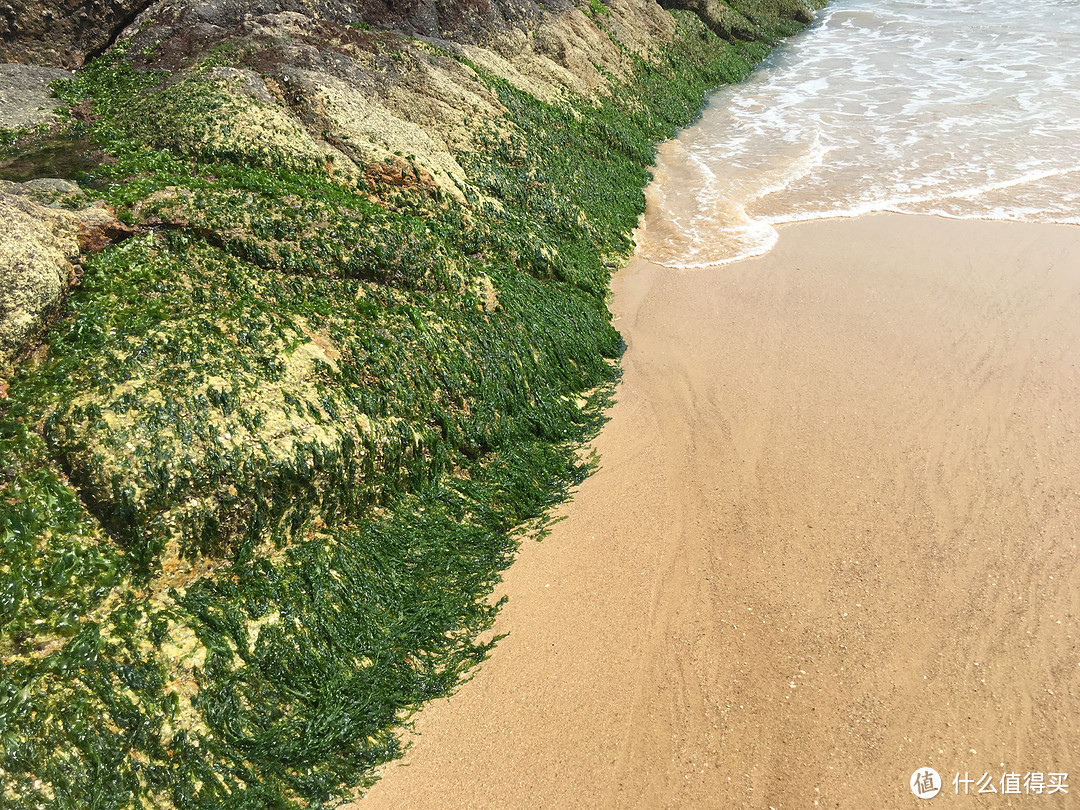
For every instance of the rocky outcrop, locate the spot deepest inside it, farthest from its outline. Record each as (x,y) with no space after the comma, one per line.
(65,32)
(313,86)
(306,88)
(546,50)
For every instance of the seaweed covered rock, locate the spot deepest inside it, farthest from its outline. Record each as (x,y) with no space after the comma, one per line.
(226,113)
(255,497)
(749,19)
(40,250)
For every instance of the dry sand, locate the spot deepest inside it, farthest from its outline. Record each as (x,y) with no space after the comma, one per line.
(834,538)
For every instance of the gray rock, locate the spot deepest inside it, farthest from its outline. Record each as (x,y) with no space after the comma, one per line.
(25,100)
(48,191)
(51,186)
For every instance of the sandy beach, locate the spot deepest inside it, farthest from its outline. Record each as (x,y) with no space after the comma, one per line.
(833,539)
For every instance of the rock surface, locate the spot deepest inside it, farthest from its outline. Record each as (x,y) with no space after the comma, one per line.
(38,251)
(25,100)
(61,32)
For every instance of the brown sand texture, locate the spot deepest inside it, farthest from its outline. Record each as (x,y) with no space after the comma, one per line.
(833,539)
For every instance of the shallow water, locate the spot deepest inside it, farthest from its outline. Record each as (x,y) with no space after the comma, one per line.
(962,108)
(67,158)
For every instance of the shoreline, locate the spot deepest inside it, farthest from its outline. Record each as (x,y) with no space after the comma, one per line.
(831,540)
(829,217)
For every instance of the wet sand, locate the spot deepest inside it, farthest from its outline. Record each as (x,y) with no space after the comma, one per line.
(833,539)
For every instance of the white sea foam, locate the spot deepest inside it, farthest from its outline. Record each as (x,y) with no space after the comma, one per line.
(961,108)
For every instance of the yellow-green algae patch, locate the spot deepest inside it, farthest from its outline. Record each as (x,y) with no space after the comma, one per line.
(220,112)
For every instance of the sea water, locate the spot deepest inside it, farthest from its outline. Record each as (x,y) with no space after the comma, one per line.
(960,108)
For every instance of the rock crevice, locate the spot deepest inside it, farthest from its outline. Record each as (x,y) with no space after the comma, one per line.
(62,33)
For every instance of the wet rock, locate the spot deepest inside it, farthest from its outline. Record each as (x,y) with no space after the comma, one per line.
(25,100)
(743,19)
(721,18)
(98,228)
(50,155)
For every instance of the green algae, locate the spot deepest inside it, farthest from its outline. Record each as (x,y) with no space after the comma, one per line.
(257,495)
